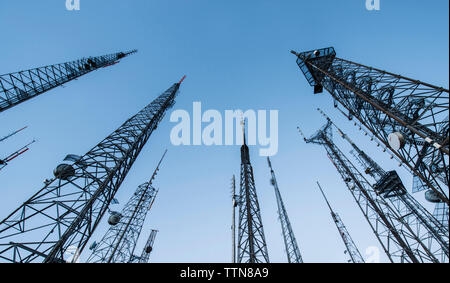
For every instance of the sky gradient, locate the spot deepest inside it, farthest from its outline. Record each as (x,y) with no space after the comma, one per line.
(236,56)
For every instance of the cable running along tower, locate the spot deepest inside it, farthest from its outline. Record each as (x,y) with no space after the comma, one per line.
(351,248)
(389,185)
(119,242)
(252,247)
(399,241)
(292,250)
(67,210)
(408,116)
(19,87)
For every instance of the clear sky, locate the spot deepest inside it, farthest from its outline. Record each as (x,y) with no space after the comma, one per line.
(236,56)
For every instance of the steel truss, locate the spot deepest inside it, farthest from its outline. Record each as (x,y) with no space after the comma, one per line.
(351,248)
(292,250)
(19,87)
(389,185)
(12,134)
(66,211)
(252,247)
(119,242)
(399,241)
(387,104)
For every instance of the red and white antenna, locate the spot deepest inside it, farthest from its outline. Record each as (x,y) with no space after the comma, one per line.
(12,134)
(14,155)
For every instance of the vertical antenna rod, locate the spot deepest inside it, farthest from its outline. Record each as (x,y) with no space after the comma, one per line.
(292,250)
(252,247)
(19,87)
(148,248)
(352,249)
(397,238)
(68,209)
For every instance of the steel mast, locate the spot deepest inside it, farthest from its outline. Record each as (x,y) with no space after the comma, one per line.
(410,117)
(119,242)
(19,87)
(389,185)
(148,248)
(397,238)
(67,210)
(4,162)
(292,250)
(252,247)
(352,249)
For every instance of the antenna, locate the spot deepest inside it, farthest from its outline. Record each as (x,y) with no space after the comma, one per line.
(182,79)
(301,133)
(243,128)
(324,196)
(14,155)
(12,134)
(157,168)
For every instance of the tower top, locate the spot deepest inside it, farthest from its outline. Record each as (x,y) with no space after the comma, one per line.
(243,129)
(182,79)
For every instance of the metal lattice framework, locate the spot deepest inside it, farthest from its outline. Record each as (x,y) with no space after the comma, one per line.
(291,245)
(19,87)
(252,247)
(399,241)
(66,211)
(352,249)
(119,242)
(148,248)
(389,185)
(388,104)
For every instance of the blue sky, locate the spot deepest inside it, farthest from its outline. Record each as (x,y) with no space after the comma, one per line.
(236,56)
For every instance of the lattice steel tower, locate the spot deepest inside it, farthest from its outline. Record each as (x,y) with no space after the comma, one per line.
(148,248)
(351,248)
(252,247)
(119,242)
(66,211)
(292,250)
(19,87)
(389,185)
(410,117)
(399,241)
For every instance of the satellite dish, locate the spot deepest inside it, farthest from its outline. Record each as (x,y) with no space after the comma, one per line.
(396,140)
